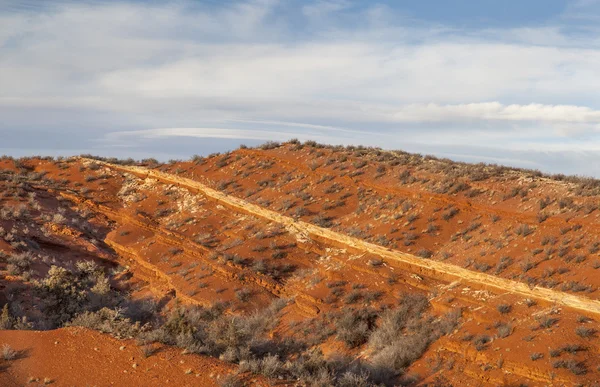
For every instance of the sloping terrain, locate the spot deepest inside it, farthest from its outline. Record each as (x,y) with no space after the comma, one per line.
(76,356)
(302,263)
(436,269)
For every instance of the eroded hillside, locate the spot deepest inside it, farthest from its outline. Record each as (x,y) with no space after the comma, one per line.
(301,264)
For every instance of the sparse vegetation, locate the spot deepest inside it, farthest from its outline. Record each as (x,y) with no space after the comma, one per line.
(8,353)
(536,356)
(192,249)
(504,308)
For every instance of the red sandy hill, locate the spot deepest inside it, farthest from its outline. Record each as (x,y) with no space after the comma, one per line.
(296,264)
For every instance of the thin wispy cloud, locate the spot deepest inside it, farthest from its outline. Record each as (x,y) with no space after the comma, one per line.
(341,71)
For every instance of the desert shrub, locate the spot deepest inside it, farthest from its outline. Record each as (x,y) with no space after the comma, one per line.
(209,331)
(322,221)
(270,145)
(6,320)
(527,265)
(542,216)
(504,330)
(524,230)
(403,334)
(424,253)
(573,348)
(432,228)
(207,240)
(359,164)
(536,356)
(482,266)
(504,308)
(65,294)
(243,294)
(286,205)
(583,319)
(504,263)
(19,262)
(373,296)
(548,240)
(402,351)
(8,353)
(556,352)
(393,321)
(59,219)
(147,350)
(529,302)
(354,326)
(544,202)
(353,297)
(162,212)
(410,238)
(546,322)
(411,217)
(107,321)
(577,368)
(377,262)
(481,342)
(335,284)
(62,293)
(278,254)
(351,379)
(585,332)
(576,287)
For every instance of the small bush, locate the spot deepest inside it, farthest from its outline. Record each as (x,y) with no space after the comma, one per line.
(6,320)
(481,342)
(375,262)
(243,294)
(8,353)
(322,221)
(585,332)
(424,253)
(536,356)
(354,326)
(504,308)
(573,348)
(504,330)
(270,145)
(524,230)
(147,350)
(577,368)
(107,321)
(18,263)
(504,263)
(583,319)
(353,297)
(546,322)
(450,213)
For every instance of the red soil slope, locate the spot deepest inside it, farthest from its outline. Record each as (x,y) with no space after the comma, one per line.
(76,356)
(329,229)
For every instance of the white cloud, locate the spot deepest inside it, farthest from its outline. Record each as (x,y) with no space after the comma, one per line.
(124,137)
(322,8)
(237,70)
(498,111)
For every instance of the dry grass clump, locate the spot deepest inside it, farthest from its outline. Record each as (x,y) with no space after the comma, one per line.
(8,353)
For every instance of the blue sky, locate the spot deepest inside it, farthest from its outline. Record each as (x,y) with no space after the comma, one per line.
(510,82)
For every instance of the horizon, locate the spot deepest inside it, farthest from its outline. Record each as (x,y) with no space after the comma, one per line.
(501,83)
(277,144)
